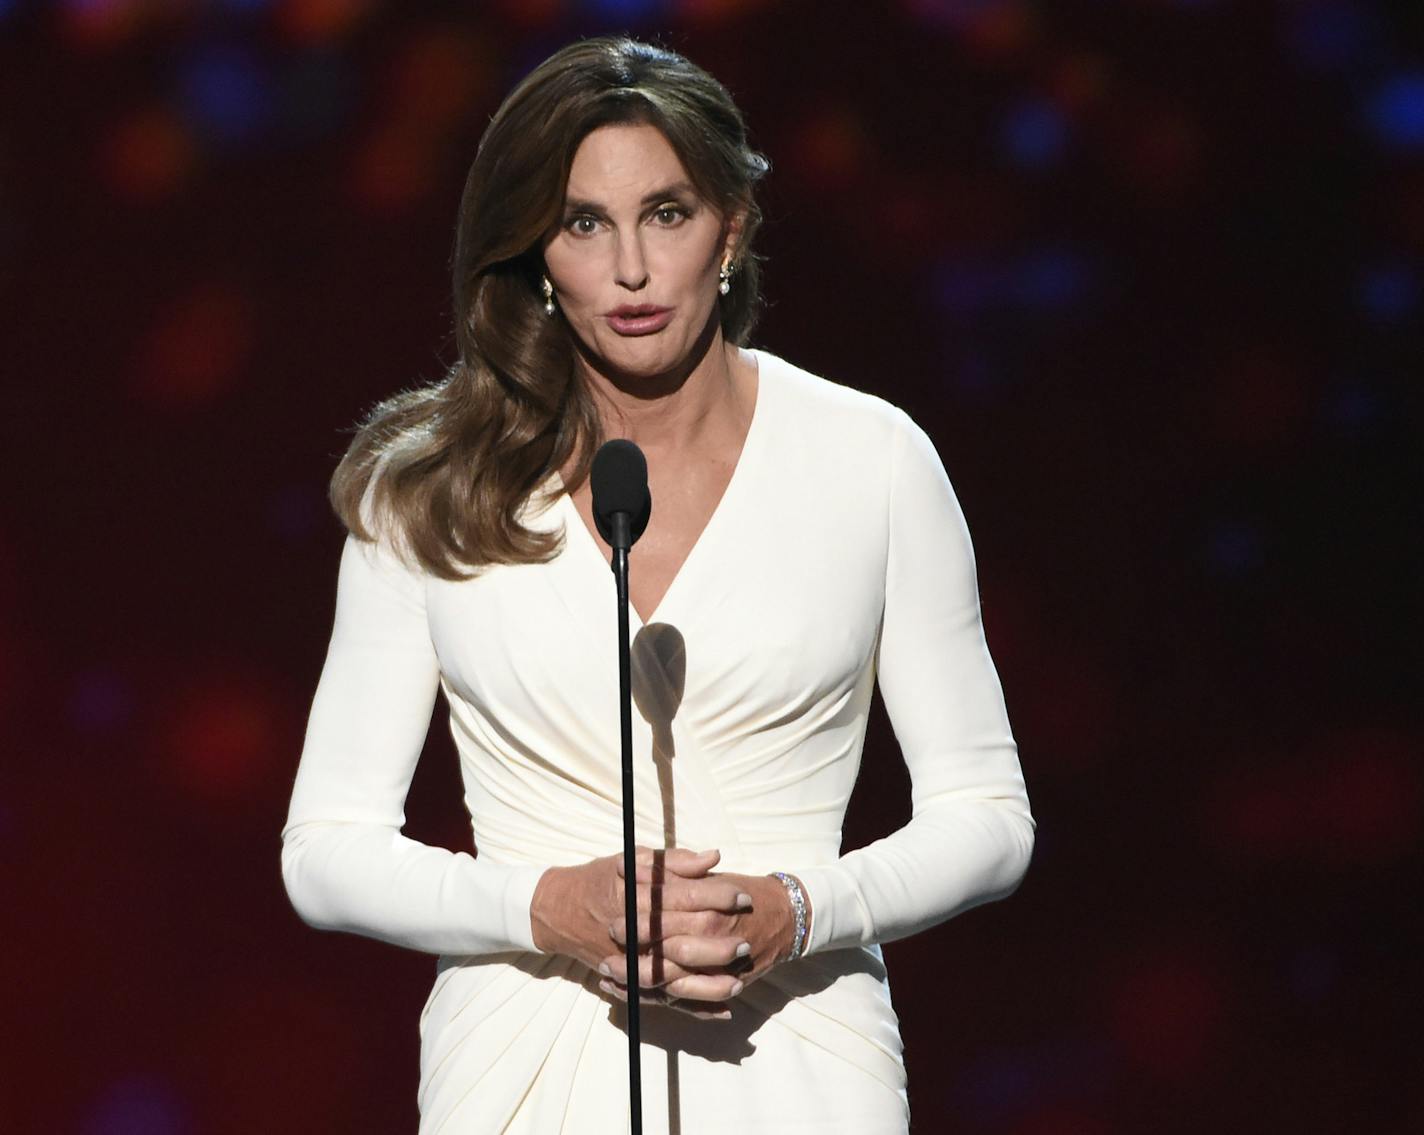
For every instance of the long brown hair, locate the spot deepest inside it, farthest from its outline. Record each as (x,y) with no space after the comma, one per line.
(450,466)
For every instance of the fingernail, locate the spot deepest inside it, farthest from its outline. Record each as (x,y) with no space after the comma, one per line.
(743,949)
(603,969)
(737,987)
(744,899)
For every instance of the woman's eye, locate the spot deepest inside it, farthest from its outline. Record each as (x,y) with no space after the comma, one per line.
(670,214)
(582,226)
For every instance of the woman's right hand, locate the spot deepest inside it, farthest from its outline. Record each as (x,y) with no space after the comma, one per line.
(574,909)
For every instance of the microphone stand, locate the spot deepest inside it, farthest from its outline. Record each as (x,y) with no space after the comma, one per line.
(622,540)
(618,479)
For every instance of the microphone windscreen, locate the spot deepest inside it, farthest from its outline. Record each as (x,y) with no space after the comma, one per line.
(619,480)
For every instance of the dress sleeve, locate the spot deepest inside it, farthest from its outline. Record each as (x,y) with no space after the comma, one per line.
(970,835)
(345,863)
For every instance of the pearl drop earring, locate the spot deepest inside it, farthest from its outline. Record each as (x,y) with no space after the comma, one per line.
(548,297)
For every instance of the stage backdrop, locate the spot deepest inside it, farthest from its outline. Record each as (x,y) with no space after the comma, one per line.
(1149,273)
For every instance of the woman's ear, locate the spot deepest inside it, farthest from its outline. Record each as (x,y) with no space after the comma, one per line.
(732,242)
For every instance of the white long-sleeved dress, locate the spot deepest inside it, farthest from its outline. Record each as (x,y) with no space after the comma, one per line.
(837,555)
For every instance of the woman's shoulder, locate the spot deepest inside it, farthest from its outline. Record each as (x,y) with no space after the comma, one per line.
(824,405)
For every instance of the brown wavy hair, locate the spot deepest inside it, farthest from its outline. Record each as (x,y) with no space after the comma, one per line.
(450,466)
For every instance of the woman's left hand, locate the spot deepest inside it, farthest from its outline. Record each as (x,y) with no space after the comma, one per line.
(684,954)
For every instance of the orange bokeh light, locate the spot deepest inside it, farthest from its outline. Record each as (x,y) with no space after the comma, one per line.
(196,348)
(148,155)
(223,737)
(101,23)
(392,169)
(314,21)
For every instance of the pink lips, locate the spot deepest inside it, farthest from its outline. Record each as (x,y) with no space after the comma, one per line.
(640,319)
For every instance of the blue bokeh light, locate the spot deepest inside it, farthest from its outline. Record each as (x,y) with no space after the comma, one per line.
(630,11)
(1034,134)
(1351,410)
(1051,279)
(1388,293)
(1328,36)
(225,93)
(139,1105)
(954,14)
(1395,111)
(1048,279)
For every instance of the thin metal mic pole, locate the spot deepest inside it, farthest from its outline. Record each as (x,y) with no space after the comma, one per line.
(618,479)
(630,866)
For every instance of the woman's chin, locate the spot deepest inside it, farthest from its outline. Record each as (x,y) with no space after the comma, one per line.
(668,354)
(644,355)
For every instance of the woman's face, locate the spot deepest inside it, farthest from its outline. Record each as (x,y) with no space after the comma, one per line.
(635,258)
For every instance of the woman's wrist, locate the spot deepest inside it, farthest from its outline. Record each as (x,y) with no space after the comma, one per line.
(800,912)
(547,938)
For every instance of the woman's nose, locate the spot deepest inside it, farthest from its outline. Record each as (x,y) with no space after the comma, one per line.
(630,269)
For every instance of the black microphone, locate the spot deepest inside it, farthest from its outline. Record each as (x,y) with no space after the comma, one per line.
(621,508)
(621,501)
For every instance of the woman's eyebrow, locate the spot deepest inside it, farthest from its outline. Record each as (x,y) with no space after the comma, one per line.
(677,189)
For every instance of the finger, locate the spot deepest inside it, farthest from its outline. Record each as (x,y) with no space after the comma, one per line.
(620,992)
(695,952)
(677,893)
(702,1010)
(671,923)
(704,987)
(657,973)
(688,863)
(653,971)
(613,989)
(654,865)
(642,857)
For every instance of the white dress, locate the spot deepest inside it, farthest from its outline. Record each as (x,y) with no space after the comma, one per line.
(837,554)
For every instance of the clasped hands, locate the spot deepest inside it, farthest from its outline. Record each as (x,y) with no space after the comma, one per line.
(702,936)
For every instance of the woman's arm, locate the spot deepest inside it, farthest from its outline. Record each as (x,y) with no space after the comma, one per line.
(345,863)
(970,835)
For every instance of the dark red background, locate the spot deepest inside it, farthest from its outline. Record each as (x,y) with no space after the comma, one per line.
(1148,272)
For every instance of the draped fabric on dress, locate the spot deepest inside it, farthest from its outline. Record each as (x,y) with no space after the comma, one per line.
(838,554)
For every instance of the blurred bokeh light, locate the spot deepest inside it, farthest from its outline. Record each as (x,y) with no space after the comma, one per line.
(1149,272)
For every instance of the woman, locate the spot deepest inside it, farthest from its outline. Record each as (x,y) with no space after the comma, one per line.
(804,538)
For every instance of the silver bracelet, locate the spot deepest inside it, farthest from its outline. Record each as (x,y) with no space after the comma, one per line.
(798,906)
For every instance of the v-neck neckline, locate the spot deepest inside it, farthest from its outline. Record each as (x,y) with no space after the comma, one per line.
(754,430)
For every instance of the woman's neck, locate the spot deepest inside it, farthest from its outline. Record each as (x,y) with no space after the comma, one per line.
(682,412)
